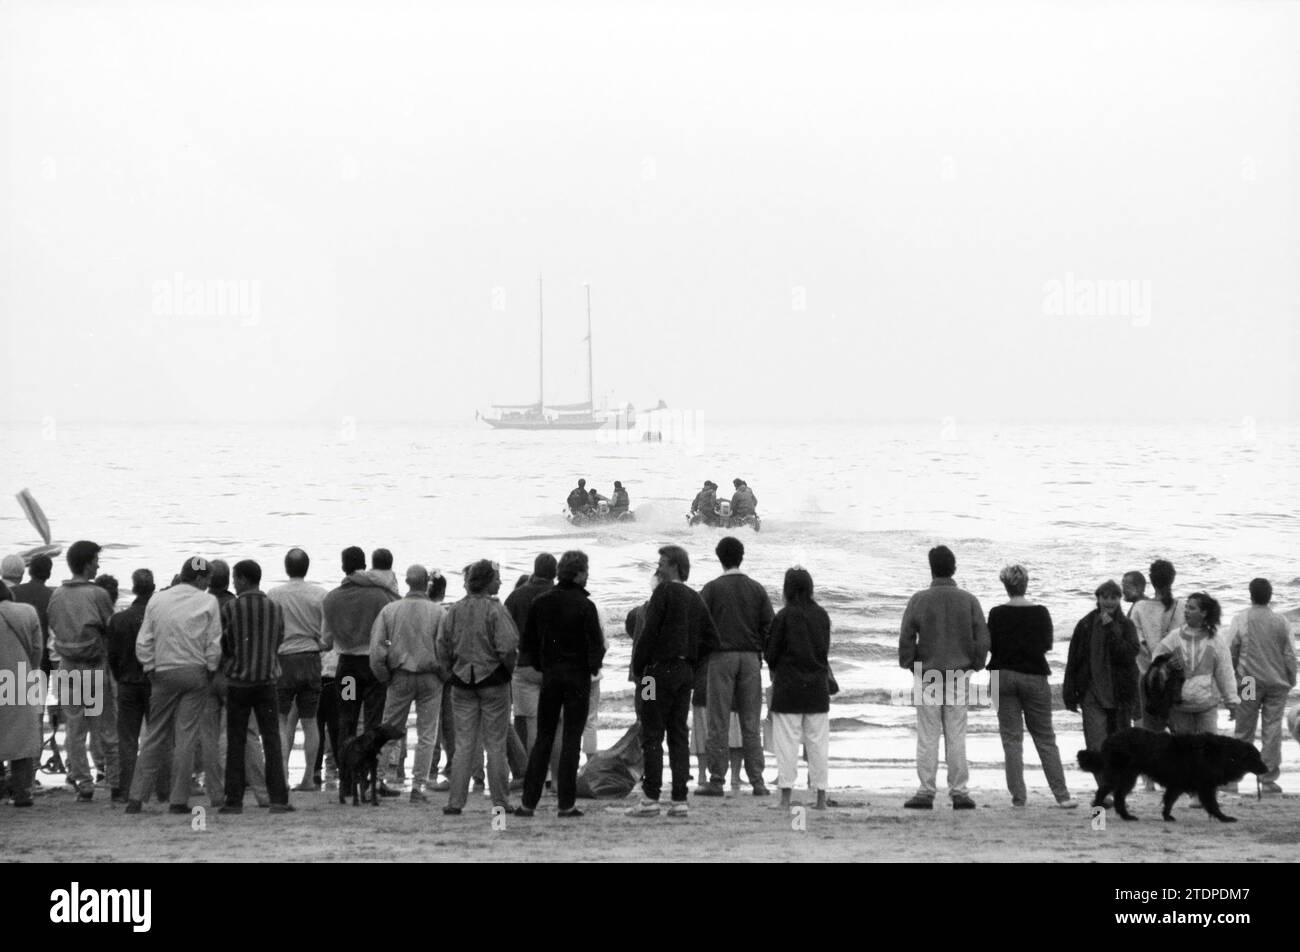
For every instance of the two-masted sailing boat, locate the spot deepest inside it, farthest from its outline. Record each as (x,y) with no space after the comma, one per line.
(542,415)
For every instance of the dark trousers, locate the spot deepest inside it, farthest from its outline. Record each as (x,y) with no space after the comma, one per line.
(667,713)
(567,690)
(327,721)
(364,690)
(132,712)
(260,699)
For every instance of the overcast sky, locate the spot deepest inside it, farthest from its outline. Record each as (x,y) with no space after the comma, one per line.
(905,211)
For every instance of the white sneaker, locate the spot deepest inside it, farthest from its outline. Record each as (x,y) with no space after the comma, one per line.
(679,809)
(1069,803)
(644,808)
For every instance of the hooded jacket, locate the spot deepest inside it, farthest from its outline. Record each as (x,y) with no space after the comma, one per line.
(1207,669)
(350,612)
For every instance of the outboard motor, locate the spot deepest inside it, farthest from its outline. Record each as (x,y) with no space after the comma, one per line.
(724,509)
(603,507)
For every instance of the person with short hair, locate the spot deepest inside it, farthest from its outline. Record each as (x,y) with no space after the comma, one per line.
(578,501)
(943,631)
(299,690)
(562,633)
(381,570)
(219,587)
(1100,674)
(621,504)
(478,644)
(20,724)
(349,614)
(179,648)
(403,654)
(1206,662)
(133,687)
(742,614)
(11,571)
(36,592)
(1134,584)
(1264,659)
(679,634)
(1020,635)
(79,615)
(252,628)
(526,685)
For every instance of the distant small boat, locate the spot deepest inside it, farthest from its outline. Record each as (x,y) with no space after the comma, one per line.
(541,415)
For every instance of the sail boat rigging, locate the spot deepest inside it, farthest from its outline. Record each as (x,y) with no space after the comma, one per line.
(549,416)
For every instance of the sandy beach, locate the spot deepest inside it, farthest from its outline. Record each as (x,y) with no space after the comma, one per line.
(869,826)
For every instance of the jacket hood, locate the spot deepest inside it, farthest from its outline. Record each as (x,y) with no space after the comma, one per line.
(364,580)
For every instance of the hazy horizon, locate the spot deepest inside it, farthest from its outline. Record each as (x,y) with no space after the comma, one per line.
(915,211)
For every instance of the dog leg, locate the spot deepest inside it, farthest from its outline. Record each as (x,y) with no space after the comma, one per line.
(1123,788)
(1103,789)
(1210,800)
(1171,797)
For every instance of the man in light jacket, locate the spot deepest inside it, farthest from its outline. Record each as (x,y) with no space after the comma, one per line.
(79,613)
(179,647)
(944,632)
(403,655)
(1264,658)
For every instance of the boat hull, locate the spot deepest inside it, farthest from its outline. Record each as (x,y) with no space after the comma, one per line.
(544,424)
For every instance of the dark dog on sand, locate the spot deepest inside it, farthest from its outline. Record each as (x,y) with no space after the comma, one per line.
(359,763)
(1181,763)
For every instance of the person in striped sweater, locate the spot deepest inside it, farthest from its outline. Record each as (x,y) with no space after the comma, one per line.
(252,627)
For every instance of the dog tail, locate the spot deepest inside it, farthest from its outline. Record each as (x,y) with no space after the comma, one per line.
(1091,761)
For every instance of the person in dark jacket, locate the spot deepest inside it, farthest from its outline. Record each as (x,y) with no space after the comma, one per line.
(562,632)
(796,652)
(742,614)
(678,635)
(1020,633)
(743,501)
(577,500)
(1101,675)
(526,685)
(704,507)
(133,687)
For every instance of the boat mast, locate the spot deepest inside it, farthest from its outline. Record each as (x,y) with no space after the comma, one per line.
(541,391)
(591,397)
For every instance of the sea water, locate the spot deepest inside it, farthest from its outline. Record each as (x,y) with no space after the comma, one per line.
(858,505)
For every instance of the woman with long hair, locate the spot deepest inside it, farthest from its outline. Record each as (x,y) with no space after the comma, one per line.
(796,653)
(1208,678)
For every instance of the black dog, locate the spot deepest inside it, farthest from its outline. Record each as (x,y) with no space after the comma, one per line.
(1181,763)
(359,763)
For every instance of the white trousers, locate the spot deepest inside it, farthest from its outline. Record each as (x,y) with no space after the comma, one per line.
(814,730)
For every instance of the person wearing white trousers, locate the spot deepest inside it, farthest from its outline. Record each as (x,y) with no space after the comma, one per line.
(796,653)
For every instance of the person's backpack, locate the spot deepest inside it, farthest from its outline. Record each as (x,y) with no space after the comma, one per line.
(1162,685)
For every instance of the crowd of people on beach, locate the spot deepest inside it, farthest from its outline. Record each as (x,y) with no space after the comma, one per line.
(196,679)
